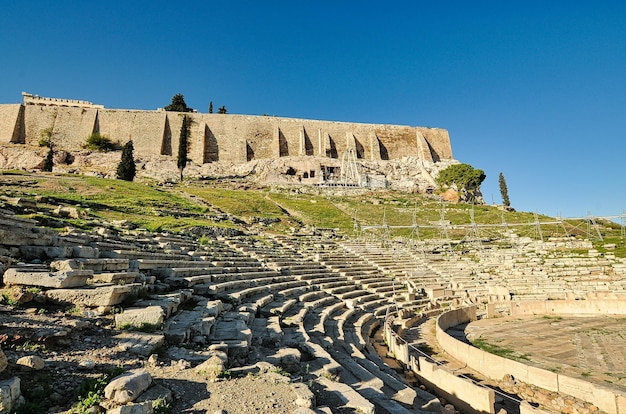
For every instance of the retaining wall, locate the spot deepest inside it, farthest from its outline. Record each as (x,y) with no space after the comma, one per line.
(220,137)
(460,392)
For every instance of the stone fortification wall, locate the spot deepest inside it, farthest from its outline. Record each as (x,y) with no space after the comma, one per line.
(11,117)
(30,99)
(218,137)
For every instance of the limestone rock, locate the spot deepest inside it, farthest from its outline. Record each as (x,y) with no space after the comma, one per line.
(304,396)
(141,318)
(141,408)
(17,295)
(451,195)
(10,395)
(86,365)
(101,296)
(3,361)
(31,361)
(34,277)
(156,392)
(286,358)
(213,367)
(127,387)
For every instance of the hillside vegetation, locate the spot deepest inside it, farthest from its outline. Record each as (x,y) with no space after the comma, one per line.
(234,205)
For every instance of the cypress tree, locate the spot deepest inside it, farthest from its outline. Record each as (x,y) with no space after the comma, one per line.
(126,168)
(504,191)
(183,146)
(49,161)
(211,107)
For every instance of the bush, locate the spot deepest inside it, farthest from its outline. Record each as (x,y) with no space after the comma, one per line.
(45,138)
(97,142)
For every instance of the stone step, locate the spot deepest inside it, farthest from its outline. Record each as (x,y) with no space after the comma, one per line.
(97,296)
(115,277)
(46,279)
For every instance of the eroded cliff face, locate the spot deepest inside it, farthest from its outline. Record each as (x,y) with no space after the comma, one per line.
(406,174)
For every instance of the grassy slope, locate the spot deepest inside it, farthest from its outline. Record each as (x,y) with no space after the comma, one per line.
(199,204)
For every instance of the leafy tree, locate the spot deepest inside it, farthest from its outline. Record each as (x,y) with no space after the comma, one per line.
(222,110)
(178,104)
(183,145)
(49,161)
(97,142)
(463,176)
(504,191)
(126,169)
(211,107)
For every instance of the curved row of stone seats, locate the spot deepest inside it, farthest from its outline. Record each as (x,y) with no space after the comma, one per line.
(336,314)
(419,277)
(383,389)
(439,284)
(316,302)
(367,287)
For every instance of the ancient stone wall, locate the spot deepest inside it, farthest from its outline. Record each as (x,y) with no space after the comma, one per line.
(218,137)
(10,123)
(30,99)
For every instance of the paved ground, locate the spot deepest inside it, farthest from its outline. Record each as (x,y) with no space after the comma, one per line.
(592,348)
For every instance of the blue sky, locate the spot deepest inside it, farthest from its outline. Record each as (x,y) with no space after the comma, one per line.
(535,90)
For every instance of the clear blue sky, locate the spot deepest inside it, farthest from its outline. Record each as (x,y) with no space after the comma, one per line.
(533,89)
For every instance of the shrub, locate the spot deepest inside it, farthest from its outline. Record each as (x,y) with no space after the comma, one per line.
(45,138)
(97,142)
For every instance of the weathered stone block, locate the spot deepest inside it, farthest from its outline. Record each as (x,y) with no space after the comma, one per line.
(32,362)
(140,408)
(304,396)
(10,395)
(127,387)
(61,279)
(140,318)
(3,361)
(101,296)
(213,367)
(140,343)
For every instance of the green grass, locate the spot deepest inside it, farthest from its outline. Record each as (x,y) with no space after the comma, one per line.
(314,211)
(91,391)
(508,353)
(198,203)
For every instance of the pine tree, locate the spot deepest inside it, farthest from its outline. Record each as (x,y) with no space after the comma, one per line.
(183,146)
(126,168)
(504,191)
(222,110)
(178,104)
(49,161)
(211,107)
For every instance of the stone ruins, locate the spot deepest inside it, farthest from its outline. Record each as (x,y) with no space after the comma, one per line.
(312,305)
(226,138)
